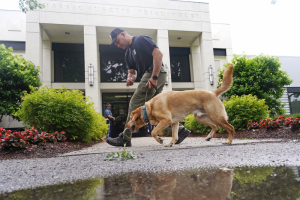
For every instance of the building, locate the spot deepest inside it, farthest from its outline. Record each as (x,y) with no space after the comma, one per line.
(291,97)
(66,37)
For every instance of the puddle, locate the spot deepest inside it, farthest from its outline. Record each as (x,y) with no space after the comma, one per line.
(216,184)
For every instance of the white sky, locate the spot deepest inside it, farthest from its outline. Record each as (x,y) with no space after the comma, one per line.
(257,26)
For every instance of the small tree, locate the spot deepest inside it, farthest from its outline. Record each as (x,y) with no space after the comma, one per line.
(261,76)
(16,76)
(26,5)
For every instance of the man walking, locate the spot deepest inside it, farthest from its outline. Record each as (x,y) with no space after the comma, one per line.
(144,59)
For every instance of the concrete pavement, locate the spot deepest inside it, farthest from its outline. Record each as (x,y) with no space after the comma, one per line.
(149,144)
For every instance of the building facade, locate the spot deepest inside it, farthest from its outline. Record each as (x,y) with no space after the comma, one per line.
(66,37)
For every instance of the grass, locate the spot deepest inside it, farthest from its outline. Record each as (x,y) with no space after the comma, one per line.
(124,155)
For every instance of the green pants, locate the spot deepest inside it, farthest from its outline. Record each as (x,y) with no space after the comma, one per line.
(138,98)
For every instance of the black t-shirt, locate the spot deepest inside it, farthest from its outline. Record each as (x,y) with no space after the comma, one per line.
(139,54)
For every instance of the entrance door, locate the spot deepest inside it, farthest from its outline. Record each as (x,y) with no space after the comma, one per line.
(119,108)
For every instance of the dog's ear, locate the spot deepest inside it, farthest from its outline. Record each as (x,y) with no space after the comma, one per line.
(135,114)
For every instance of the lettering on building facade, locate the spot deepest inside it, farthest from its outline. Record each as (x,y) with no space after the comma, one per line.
(115,10)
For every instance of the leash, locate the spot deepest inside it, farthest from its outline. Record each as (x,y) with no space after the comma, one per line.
(148,88)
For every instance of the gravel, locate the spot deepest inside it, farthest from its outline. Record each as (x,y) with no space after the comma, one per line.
(31,173)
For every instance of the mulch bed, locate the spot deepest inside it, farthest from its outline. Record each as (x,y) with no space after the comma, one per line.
(46,150)
(49,150)
(262,133)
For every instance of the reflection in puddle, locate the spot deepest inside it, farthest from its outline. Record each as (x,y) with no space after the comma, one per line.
(218,184)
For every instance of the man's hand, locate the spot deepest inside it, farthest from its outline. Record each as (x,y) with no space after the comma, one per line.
(130,77)
(150,85)
(129,81)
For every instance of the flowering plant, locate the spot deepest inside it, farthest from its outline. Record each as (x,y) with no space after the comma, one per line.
(253,125)
(27,138)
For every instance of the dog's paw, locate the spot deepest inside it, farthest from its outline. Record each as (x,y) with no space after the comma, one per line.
(169,145)
(227,142)
(208,139)
(160,141)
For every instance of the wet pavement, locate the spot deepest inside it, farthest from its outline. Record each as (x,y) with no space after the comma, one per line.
(18,175)
(261,183)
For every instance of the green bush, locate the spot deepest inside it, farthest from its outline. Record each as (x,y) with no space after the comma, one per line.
(244,109)
(261,76)
(192,124)
(62,110)
(16,76)
(240,111)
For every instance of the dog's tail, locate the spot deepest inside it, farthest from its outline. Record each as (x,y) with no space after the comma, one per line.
(227,81)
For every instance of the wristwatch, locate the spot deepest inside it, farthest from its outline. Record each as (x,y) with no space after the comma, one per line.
(154,77)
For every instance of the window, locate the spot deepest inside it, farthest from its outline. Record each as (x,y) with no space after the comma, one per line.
(68,62)
(294,102)
(294,99)
(112,64)
(180,64)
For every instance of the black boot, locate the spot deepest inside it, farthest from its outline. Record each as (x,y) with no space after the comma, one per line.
(118,141)
(182,135)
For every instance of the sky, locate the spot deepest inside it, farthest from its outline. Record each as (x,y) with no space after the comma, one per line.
(257,26)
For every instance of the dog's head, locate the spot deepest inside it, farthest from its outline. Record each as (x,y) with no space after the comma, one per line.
(136,120)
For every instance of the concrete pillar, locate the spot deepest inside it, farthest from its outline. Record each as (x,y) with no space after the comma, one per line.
(34,46)
(229,54)
(91,56)
(196,64)
(207,59)
(47,51)
(163,45)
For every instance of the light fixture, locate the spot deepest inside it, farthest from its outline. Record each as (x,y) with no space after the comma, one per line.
(211,75)
(167,75)
(91,75)
(67,33)
(179,38)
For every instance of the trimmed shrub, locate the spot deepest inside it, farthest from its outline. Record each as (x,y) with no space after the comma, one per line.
(52,110)
(240,110)
(244,109)
(192,124)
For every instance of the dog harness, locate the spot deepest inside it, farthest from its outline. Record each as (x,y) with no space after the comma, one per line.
(145,116)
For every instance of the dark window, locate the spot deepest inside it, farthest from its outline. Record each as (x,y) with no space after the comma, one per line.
(180,64)
(294,102)
(68,62)
(220,52)
(112,64)
(113,67)
(14,44)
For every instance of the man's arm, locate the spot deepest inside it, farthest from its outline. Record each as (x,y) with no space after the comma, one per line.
(157,63)
(111,117)
(131,77)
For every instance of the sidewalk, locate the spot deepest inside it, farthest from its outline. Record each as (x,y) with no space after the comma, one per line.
(150,144)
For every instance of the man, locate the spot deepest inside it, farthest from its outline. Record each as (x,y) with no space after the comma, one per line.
(143,58)
(108,114)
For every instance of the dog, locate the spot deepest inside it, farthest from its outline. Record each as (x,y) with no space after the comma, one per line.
(171,107)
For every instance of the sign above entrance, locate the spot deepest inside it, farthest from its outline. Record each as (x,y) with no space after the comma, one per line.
(115,10)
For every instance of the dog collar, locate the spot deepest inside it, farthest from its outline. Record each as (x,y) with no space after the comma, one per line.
(145,116)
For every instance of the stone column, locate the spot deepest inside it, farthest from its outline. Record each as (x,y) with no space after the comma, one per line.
(196,64)
(229,54)
(163,45)
(91,57)
(47,51)
(207,59)
(34,39)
